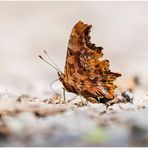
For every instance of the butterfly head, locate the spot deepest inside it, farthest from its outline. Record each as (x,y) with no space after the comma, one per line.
(61,76)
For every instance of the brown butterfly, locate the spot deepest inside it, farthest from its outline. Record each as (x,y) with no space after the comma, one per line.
(85,74)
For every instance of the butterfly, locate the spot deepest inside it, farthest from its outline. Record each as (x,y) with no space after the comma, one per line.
(85,74)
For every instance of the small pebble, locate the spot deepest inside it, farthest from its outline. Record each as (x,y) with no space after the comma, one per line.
(128,96)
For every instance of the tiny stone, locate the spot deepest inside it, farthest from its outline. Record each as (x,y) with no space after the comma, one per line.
(128,96)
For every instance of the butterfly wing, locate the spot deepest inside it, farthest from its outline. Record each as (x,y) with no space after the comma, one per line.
(85,74)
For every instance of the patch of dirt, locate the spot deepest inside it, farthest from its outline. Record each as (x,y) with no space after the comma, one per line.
(30,121)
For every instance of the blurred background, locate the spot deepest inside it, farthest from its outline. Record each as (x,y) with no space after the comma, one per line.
(28,28)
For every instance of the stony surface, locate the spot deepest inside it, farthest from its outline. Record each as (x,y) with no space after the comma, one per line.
(28,121)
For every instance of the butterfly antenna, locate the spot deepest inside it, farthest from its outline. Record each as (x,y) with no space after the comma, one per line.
(49,63)
(51,60)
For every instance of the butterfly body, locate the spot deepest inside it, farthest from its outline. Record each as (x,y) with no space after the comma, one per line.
(85,74)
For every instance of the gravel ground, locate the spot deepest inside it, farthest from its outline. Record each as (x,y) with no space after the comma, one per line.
(28,121)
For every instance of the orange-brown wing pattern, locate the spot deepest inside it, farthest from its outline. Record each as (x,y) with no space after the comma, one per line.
(85,74)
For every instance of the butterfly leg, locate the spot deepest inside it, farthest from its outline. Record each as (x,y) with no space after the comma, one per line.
(111,102)
(64,98)
(82,101)
(52,87)
(72,98)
